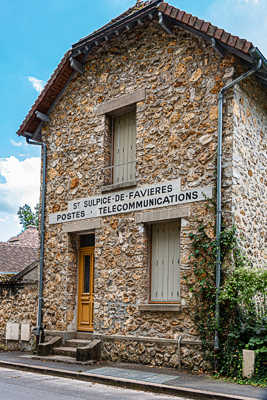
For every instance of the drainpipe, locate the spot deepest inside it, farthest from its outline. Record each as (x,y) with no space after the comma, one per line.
(219,194)
(39,328)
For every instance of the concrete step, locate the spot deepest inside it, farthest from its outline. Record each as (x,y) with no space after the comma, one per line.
(76,343)
(84,335)
(65,351)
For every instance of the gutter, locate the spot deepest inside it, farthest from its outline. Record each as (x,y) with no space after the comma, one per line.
(261,62)
(39,329)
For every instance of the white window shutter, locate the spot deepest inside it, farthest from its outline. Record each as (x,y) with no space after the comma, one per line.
(124,147)
(165,267)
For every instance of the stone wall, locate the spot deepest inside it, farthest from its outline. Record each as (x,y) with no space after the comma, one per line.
(249,169)
(155,352)
(19,305)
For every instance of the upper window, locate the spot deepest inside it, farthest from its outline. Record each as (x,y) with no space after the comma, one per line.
(124,148)
(165,243)
(120,139)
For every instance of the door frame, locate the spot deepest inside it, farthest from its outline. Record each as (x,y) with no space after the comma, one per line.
(83,252)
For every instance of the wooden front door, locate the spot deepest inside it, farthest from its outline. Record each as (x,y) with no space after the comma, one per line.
(86,289)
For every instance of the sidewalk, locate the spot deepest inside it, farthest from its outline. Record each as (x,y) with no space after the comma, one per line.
(158,380)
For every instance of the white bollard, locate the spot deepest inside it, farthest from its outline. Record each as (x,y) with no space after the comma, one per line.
(248,363)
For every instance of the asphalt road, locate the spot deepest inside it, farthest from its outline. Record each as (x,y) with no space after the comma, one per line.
(22,385)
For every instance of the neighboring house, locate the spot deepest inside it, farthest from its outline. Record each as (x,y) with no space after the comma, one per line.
(129,121)
(19,281)
(19,251)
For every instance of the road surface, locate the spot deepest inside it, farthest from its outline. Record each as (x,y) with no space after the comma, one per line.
(15,384)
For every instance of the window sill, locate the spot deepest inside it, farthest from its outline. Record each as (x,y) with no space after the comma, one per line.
(115,186)
(159,307)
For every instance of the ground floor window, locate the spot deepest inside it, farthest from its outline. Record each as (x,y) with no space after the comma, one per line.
(165,243)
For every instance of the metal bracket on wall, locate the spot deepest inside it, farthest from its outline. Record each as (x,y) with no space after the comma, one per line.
(217,47)
(163,24)
(76,65)
(42,117)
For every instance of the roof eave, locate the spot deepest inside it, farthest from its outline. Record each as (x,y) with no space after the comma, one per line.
(120,25)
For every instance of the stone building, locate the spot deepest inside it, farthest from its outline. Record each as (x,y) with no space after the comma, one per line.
(19,288)
(128,123)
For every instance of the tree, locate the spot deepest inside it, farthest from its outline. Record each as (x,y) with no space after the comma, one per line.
(28,217)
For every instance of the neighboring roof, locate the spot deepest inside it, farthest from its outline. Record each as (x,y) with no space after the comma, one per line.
(29,237)
(19,251)
(14,257)
(128,20)
(8,279)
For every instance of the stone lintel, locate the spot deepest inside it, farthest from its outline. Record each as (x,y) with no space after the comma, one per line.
(122,101)
(159,307)
(82,225)
(162,214)
(116,186)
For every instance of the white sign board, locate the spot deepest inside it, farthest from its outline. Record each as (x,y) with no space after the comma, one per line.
(25,332)
(12,331)
(142,198)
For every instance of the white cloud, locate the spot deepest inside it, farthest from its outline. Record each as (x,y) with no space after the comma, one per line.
(250,1)
(16,144)
(37,84)
(21,186)
(244,18)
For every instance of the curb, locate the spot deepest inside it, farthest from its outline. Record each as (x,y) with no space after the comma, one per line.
(124,383)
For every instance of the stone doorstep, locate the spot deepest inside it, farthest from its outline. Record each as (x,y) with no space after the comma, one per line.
(65,351)
(75,349)
(76,343)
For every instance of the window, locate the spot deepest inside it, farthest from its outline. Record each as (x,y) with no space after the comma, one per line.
(124,147)
(165,238)
(87,240)
(119,168)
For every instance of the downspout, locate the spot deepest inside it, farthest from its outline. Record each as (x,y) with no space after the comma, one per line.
(39,328)
(219,194)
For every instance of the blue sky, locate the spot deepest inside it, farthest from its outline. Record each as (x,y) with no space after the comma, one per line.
(33,38)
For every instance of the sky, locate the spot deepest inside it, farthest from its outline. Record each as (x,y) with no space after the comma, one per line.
(33,38)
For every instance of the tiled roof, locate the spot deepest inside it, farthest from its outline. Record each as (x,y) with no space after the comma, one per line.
(19,251)
(28,238)
(48,95)
(137,7)
(14,257)
(63,72)
(205,27)
(8,278)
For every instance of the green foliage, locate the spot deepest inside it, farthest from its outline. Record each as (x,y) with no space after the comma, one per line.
(242,325)
(28,217)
